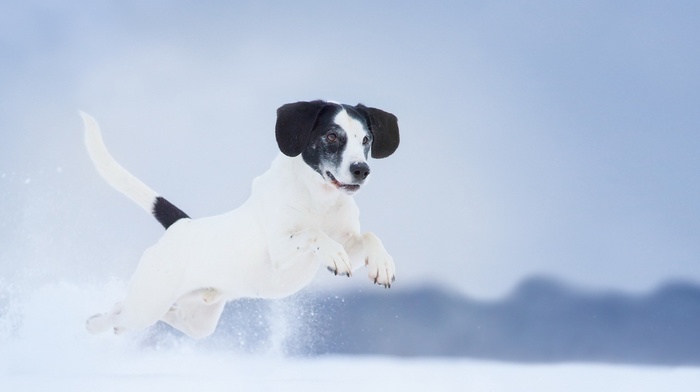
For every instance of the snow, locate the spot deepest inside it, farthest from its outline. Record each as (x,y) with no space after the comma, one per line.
(44,347)
(189,370)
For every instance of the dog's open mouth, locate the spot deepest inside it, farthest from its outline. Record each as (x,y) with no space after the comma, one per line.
(345,187)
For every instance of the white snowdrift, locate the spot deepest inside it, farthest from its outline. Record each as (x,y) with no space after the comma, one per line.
(44,348)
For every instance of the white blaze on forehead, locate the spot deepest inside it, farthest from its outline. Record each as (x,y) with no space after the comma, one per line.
(355,130)
(354,150)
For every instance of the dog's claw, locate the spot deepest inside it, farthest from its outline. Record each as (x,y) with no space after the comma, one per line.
(336,273)
(387,285)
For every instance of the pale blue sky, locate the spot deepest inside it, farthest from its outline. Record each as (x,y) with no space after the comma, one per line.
(555,138)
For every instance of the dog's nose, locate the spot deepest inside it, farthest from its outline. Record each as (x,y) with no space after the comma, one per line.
(359,170)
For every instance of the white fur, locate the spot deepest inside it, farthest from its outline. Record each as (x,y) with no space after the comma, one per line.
(270,247)
(113,172)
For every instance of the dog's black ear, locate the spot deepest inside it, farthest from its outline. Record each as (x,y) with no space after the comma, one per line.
(295,121)
(385,130)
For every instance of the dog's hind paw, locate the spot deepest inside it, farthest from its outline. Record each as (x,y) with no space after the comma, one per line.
(98,323)
(103,321)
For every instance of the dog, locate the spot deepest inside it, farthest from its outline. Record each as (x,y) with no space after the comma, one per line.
(300,215)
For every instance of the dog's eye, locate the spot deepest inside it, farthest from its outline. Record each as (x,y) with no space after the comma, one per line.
(365,140)
(331,136)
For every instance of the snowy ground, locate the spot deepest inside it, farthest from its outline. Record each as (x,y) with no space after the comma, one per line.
(189,371)
(44,347)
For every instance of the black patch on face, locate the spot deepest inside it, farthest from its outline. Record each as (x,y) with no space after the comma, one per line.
(327,142)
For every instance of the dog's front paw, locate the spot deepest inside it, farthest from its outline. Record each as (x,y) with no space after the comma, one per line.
(334,256)
(382,270)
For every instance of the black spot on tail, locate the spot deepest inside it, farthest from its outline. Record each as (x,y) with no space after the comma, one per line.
(166,213)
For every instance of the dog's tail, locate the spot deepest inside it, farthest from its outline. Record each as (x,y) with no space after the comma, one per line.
(125,182)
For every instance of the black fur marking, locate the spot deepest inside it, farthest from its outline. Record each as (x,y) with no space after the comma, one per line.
(309,129)
(166,213)
(295,121)
(320,150)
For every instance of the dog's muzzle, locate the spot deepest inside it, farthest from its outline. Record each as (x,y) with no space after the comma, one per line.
(349,188)
(359,171)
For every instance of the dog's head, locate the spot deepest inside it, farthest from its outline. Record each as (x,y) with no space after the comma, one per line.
(335,139)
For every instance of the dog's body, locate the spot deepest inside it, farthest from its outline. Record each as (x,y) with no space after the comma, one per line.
(300,215)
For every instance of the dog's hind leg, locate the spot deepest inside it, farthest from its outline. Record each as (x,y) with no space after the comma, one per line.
(104,321)
(195,319)
(122,318)
(154,287)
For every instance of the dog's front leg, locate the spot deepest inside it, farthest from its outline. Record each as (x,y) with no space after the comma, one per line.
(368,248)
(296,247)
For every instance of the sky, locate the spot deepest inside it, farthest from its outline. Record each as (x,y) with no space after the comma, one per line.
(538,138)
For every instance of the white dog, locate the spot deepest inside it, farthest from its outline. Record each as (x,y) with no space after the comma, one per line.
(300,215)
